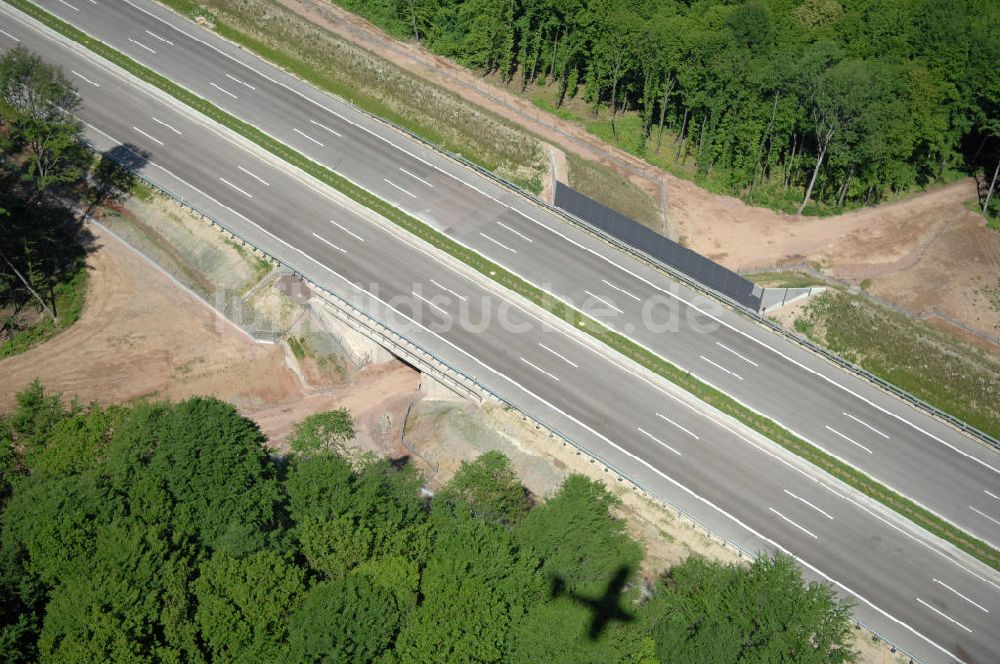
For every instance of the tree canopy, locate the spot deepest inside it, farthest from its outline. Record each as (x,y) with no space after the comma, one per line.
(45,173)
(782,101)
(166,532)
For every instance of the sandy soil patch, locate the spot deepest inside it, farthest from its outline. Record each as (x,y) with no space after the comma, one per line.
(141,335)
(438,437)
(903,244)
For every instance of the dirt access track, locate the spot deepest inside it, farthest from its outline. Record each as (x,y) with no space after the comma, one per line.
(925,253)
(143,335)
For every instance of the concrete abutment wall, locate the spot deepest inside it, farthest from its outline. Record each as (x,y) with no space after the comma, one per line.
(368,341)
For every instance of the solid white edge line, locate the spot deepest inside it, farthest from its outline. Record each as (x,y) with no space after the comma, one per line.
(865,424)
(622,450)
(552,230)
(850,440)
(666,477)
(803,500)
(721,322)
(255,177)
(248,195)
(943,615)
(147,135)
(560,356)
(657,440)
(757,341)
(800,471)
(806,531)
(538,368)
(687,431)
(836,492)
(975,604)
(321,239)
(672,395)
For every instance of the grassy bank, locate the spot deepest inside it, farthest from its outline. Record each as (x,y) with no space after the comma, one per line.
(955,377)
(388,91)
(614,340)
(316,56)
(785,279)
(614,191)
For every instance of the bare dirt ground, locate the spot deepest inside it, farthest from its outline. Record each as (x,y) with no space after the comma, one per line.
(438,437)
(915,252)
(141,335)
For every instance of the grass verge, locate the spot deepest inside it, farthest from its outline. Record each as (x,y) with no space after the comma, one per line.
(786,279)
(952,376)
(621,344)
(320,57)
(613,190)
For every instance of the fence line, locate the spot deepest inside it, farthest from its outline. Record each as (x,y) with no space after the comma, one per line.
(642,256)
(554,432)
(913,400)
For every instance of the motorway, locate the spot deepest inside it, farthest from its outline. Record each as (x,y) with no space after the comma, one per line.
(905,449)
(934,601)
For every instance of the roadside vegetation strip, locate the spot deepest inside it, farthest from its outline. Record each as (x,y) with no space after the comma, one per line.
(842,471)
(383,90)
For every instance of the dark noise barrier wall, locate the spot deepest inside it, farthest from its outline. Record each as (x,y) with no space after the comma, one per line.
(637,236)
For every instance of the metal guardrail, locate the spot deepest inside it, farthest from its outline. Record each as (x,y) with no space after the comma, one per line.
(380,328)
(589,228)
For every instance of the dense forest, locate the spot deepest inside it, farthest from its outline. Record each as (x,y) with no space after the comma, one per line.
(159,532)
(830,101)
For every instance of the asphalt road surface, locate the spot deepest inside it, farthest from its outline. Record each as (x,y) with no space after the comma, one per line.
(935,602)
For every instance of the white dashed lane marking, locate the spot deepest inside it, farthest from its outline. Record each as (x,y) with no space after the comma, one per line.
(141,45)
(850,440)
(807,532)
(657,440)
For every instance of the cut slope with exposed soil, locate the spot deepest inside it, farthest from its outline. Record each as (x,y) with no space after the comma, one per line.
(924,252)
(141,335)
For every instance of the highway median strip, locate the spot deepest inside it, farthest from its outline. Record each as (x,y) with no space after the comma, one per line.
(722,402)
